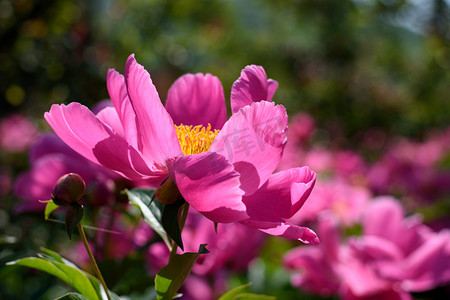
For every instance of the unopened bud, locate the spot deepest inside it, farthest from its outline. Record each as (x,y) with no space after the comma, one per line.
(168,192)
(68,189)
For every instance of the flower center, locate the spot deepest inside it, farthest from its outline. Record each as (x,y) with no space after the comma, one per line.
(195,139)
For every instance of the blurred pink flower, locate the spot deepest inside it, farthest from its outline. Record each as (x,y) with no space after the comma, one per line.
(226,175)
(411,169)
(394,256)
(336,197)
(17,133)
(50,158)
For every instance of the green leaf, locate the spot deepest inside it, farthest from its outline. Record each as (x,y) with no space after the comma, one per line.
(74,277)
(170,221)
(72,296)
(170,278)
(151,210)
(54,264)
(49,208)
(249,296)
(237,290)
(73,216)
(239,293)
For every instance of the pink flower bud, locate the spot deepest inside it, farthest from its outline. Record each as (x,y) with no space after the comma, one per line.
(68,189)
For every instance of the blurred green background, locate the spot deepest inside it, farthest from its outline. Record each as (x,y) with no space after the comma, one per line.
(353,65)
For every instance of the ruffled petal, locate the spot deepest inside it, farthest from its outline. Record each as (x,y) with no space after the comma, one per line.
(210,184)
(197,100)
(285,229)
(281,196)
(428,266)
(253,140)
(93,139)
(117,90)
(252,86)
(157,131)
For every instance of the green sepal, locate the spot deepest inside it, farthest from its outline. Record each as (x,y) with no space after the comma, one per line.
(74,215)
(170,223)
(49,207)
(170,278)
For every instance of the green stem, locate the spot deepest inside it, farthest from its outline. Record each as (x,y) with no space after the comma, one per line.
(91,257)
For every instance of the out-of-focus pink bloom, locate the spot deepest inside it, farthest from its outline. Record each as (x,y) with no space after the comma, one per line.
(350,166)
(318,265)
(227,176)
(402,249)
(394,256)
(50,158)
(301,127)
(411,169)
(344,201)
(17,133)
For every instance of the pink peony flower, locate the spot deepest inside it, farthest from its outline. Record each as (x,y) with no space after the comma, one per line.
(17,133)
(394,256)
(342,200)
(226,175)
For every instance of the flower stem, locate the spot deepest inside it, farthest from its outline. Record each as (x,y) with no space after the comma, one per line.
(91,257)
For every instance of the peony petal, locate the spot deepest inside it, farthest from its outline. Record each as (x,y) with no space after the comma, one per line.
(253,140)
(158,136)
(108,116)
(429,266)
(286,230)
(117,90)
(281,196)
(48,144)
(384,218)
(252,86)
(210,184)
(93,139)
(197,100)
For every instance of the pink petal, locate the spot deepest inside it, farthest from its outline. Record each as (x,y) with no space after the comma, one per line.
(384,218)
(108,116)
(117,90)
(93,139)
(252,86)
(49,144)
(197,100)
(429,266)
(281,196)
(158,136)
(286,230)
(210,184)
(253,140)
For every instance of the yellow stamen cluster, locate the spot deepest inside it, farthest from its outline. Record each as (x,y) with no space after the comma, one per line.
(195,139)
